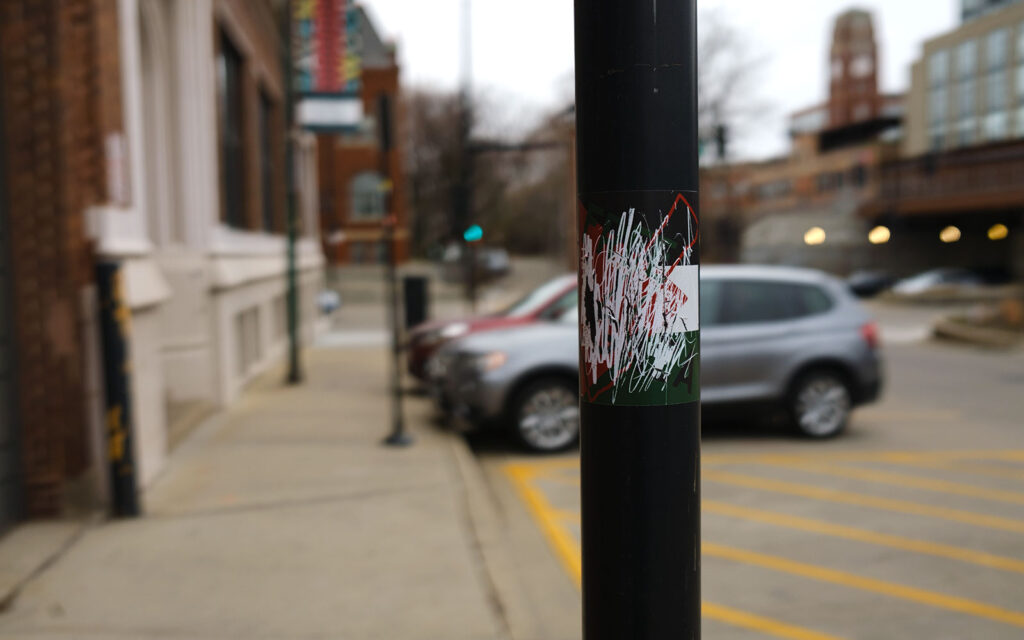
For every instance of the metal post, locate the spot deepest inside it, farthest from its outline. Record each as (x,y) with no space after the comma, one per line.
(636,70)
(294,364)
(398,437)
(115,326)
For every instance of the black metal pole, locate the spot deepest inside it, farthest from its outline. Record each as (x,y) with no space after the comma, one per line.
(115,326)
(398,436)
(636,71)
(294,375)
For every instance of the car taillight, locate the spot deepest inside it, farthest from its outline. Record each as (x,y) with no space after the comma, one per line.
(870,334)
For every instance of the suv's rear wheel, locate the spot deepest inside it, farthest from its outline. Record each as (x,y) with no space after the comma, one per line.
(820,404)
(546,414)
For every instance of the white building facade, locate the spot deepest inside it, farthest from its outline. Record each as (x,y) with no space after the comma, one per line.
(198,211)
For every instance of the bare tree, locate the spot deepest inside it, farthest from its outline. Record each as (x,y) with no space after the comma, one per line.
(727,78)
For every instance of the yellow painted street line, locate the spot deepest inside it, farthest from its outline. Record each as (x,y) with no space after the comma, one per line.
(952,465)
(854,581)
(905,507)
(550,520)
(806,455)
(863,535)
(930,415)
(760,624)
(547,518)
(909,481)
(977,469)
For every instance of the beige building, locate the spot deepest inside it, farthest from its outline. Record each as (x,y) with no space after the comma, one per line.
(968,86)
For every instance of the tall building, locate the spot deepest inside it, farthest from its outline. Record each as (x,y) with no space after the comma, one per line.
(954,198)
(151,134)
(853,70)
(968,86)
(362,183)
(971,9)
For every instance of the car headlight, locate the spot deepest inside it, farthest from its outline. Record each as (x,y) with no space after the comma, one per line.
(454,330)
(490,361)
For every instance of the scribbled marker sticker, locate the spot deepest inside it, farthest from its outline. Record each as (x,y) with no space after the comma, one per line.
(639,302)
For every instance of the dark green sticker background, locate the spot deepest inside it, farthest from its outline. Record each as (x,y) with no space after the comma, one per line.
(605,210)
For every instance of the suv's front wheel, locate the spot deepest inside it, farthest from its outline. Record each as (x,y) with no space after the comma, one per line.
(820,404)
(546,414)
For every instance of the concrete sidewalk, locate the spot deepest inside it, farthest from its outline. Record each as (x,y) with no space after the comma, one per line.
(284,517)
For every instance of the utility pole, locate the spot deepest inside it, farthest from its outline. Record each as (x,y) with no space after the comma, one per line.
(636,108)
(294,365)
(463,200)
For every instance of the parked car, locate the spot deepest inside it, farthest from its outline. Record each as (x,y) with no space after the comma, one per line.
(790,338)
(934,279)
(869,283)
(543,303)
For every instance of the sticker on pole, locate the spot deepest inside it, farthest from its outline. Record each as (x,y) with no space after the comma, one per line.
(639,298)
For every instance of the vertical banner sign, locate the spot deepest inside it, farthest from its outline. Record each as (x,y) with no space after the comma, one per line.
(115,326)
(639,257)
(327,57)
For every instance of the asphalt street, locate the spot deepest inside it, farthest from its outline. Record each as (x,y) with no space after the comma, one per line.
(911,525)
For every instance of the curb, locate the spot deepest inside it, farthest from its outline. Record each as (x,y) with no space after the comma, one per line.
(953,330)
(485,525)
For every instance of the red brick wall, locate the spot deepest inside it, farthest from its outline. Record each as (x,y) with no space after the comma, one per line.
(340,161)
(251,26)
(61,97)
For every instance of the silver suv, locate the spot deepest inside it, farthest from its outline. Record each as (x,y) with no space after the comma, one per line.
(792,338)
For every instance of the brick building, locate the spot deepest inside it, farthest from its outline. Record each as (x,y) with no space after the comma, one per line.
(767,207)
(151,133)
(361,184)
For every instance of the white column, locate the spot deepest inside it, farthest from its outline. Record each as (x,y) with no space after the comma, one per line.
(196,124)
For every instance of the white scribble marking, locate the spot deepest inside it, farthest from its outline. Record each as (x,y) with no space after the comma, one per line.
(637,302)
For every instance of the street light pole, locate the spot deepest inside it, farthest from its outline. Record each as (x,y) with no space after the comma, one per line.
(294,365)
(637,181)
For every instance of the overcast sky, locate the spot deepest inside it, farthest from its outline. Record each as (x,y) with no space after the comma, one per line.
(523,50)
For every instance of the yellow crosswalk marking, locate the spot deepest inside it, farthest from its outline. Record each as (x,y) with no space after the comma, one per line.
(767,626)
(909,481)
(891,589)
(863,500)
(863,535)
(550,520)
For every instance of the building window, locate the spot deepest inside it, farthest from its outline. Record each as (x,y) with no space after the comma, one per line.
(367,196)
(358,253)
(937,107)
(965,98)
(862,66)
(232,155)
(267,161)
(996,126)
(995,91)
(967,59)
(1020,81)
(830,181)
(997,49)
(938,69)
(965,132)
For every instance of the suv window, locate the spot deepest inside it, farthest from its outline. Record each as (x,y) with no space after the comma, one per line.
(567,302)
(754,301)
(710,302)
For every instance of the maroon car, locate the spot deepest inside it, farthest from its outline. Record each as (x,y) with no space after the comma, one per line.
(547,301)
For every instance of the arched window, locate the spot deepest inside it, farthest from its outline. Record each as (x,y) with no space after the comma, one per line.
(367,196)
